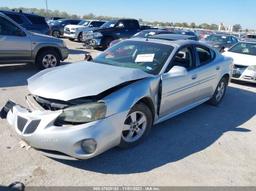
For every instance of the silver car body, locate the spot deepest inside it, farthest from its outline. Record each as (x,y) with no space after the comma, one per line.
(24,48)
(166,95)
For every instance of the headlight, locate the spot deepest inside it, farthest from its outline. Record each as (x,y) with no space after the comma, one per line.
(83,113)
(216,46)
(97,35)
(252,68)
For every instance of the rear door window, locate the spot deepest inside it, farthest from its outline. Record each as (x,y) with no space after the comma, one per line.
(96,23)
(9,29)
(205,55)
(36,19)
(17,18)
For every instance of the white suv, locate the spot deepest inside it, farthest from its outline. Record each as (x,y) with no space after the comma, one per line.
(75,32)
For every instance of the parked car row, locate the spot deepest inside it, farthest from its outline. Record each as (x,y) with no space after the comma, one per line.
(22,43)
(19,45)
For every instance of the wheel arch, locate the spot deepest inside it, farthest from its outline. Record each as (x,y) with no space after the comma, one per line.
(40,50)
(149,103)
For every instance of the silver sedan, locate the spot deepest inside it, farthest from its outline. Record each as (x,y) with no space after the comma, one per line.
(80,110)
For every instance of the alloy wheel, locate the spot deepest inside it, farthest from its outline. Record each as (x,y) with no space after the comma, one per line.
(49,61)
(134,126)
(220,91)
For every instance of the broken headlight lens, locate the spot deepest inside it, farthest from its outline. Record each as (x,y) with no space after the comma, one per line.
(83,113)
(252,68)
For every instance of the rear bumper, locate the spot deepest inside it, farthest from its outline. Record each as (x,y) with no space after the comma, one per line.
(37,129)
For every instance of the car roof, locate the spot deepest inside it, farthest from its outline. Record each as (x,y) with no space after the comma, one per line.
(248,40)
(171,36)
(177,43)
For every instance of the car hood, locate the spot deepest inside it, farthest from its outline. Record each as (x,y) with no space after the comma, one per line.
(241,59)
(37,38)
(76,26)
(80,80)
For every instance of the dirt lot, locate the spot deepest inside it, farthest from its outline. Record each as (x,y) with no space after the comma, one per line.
(207,146)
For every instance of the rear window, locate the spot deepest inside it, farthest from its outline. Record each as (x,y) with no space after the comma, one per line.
(16,18)
(36,19)
(205,55)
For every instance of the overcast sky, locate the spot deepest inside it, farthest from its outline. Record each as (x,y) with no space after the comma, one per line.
(229,12)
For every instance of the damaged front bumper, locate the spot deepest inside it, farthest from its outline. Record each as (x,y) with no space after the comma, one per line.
(37,128)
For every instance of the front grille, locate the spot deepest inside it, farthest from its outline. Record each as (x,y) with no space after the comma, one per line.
(21,122)
(238,70)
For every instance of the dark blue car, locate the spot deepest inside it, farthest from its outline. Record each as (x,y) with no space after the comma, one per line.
(31,22)
(57,26)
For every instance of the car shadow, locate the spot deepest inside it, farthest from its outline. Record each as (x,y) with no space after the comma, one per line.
(177,138)
(77,51)
(12,75)
(16,75)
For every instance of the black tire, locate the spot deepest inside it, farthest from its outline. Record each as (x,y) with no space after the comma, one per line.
(56,33)
(80,37)
(106,42)
(44,54)
(217,98)
(141,108)
(71,39)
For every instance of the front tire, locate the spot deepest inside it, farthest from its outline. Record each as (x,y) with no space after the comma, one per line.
(47,59)
(56,33)
(136,126)
(219,92)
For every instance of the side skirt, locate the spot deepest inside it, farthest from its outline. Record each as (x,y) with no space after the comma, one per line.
(182,110)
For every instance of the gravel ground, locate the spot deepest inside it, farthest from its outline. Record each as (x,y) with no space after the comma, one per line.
(207,146)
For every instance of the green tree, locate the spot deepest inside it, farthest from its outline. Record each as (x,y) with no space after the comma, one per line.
(237,27)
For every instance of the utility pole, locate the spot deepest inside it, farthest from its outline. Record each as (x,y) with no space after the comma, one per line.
(46,6)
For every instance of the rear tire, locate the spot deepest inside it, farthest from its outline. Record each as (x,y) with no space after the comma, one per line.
(47,59)
(137,126)
(56,33)
(80,37)
(219,92)
(106,42)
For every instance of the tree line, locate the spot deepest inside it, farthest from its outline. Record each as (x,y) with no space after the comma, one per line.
(63,14)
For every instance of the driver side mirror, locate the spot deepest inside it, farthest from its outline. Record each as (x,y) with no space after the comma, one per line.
(177,71)
(226,49)
(120,25)
(88,57)
(20,32)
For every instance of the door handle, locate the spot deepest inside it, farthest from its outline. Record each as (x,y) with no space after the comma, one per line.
(218,68)
(194,77)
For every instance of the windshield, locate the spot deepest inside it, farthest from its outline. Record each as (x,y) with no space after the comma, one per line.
(147,56)
(244,48)
(84,23)
(109,24)
(216,38)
